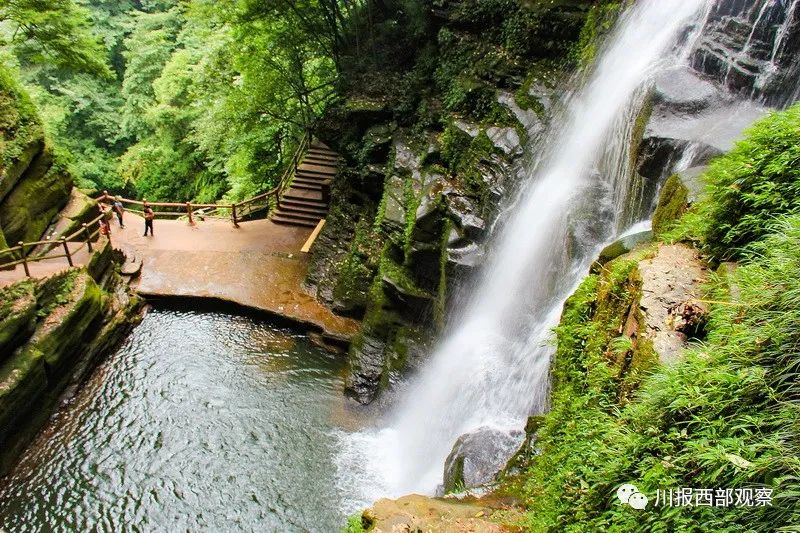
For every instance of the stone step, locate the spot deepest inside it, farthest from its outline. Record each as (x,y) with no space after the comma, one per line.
(291,221)
(316,169)
(310,176)
(321,159)
(310,204)
(318,211)
(315,179)
(307,186)
(288,213)
(318,145)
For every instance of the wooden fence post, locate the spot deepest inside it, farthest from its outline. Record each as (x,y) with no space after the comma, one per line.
(24,259)
(189,212)
(88,236)
(233,215)
(66,250)
(105,196)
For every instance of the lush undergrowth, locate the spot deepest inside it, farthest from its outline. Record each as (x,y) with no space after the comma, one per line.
(748,189)
(726,415)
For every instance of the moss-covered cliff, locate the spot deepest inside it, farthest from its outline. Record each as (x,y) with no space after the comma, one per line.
(34,184)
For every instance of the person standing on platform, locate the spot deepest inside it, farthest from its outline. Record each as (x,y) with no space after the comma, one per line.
(119,210)
(149,215)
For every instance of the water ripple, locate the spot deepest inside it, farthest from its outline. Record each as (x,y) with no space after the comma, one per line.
(199,421)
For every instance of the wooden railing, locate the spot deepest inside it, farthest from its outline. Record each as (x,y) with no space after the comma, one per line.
(85,236)
(235,212)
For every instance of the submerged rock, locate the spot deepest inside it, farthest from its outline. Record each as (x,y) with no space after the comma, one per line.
(478,457)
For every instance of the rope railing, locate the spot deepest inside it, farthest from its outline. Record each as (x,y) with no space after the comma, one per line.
(237,212)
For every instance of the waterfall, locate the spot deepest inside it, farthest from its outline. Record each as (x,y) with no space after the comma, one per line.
(492,367)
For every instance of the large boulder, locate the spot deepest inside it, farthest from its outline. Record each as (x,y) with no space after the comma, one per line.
(366,370)
(477,457)
(692,121)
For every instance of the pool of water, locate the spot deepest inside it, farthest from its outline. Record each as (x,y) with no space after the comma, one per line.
(200,421)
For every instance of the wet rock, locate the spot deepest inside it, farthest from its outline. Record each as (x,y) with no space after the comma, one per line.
(395,213)
(425,264)
(463,212)
(752,48)
(692,121)
(465,258)
(429,221)
(366,368)
(478,457)
(527,117)
(414,302)
(659,156)
(505,139)
(684,91)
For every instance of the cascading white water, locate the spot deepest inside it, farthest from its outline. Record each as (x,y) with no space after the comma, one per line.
(492,369)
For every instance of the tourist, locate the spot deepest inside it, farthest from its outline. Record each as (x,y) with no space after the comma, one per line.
(105,227)
(119,210)
(149,215)
(107,215)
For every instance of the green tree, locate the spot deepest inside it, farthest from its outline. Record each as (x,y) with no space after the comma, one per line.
(54,31)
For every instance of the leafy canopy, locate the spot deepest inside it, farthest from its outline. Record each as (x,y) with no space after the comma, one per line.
(56,31)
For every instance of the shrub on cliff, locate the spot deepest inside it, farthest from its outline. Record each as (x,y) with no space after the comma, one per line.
(748,188)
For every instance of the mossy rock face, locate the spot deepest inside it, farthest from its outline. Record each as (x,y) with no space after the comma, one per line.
(22,381)
(21,132)
(40,194)
(672,204)
(17,316)
(621,247)
(73,303)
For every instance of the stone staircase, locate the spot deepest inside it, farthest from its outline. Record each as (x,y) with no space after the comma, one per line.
(305,202)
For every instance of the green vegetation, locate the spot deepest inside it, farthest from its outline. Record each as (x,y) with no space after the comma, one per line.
(724,416)
(749,188)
